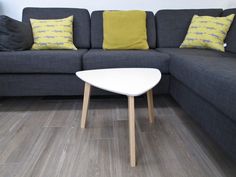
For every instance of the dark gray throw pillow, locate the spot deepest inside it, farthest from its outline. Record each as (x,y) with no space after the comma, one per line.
(14,35)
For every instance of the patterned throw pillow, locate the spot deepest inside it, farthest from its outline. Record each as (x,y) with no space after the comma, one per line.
(207,32)
(53,34)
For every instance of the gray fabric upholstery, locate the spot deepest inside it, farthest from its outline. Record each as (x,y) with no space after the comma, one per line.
(40,85)
(44,61)
(172,25)
(212,78)
(97,29)
(195,52)
(56,85)
(81,21)
(212,120)
(231,36)
(99,58)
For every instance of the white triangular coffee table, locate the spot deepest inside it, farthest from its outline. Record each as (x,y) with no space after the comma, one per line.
(131,82)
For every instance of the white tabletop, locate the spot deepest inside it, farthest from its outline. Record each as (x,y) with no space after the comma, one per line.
(125,81)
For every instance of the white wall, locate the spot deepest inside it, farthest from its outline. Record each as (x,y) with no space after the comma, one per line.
(13,8)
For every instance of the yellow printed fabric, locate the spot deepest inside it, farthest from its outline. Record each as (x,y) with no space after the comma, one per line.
(124,30)
(207,32)
(53,34)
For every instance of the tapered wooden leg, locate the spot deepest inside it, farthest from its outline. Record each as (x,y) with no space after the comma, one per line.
(87,90)
(150,106)
(132,131)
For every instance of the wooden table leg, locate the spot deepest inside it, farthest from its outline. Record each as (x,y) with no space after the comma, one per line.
(150,106)
(132,131)
(87,90)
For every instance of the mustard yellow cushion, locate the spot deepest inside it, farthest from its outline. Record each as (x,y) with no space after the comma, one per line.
(207,32)
(124,30)
(53,34)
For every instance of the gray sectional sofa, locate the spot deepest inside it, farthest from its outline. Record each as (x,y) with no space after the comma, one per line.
(203,82)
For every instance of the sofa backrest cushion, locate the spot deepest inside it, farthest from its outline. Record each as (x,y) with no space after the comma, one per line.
(172,25)
(97,30)
(81,21)
(231,36)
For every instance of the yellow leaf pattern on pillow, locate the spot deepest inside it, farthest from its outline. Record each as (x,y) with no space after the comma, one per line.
(207,32)
(53,34)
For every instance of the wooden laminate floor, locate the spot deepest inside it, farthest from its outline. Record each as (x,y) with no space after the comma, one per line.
(41,137)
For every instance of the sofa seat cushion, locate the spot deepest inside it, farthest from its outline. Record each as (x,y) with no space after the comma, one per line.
(98,58)
(195,52)
(212,78)
(48,61)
